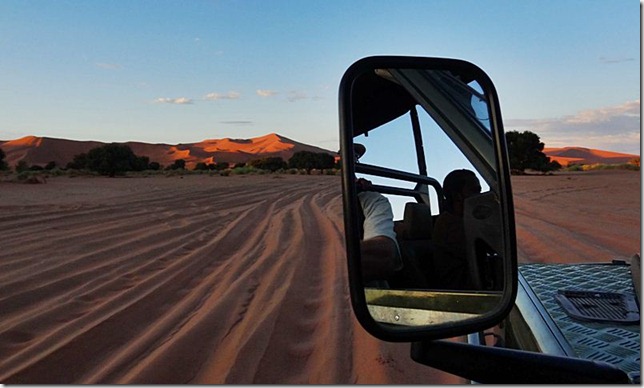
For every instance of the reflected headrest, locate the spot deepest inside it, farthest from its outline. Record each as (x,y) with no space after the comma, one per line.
(417,222)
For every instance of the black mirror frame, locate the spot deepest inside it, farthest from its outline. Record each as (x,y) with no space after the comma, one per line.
(350,203)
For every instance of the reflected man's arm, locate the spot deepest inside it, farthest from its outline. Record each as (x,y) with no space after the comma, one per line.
(380,252)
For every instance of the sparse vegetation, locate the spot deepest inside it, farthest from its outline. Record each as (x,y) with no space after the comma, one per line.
(601,166)
(22,166)
(118,160)
(244,170)
(41,176)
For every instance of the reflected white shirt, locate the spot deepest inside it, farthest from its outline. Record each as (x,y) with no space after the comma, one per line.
(379,218)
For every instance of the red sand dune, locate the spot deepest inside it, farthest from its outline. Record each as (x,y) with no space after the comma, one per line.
(580,155)
(42,150)
(238,279)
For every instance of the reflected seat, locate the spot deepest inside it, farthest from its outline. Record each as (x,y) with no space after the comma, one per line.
(414,239)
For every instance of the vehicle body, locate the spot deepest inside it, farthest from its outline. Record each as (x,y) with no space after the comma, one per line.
(597,320)
(421,118)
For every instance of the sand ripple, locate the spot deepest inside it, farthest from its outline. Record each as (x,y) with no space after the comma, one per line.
(233,279)
(183,280)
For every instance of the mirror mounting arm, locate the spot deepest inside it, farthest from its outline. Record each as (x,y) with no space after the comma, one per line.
(492,365)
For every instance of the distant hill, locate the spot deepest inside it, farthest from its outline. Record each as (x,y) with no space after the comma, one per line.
(580,155)
(42,150)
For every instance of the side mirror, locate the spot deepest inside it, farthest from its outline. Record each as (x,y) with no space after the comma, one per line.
(455,269)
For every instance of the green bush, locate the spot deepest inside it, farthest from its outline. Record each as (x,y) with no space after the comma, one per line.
(574,167)
(22,166)
(57,172)
(600,166)
(243,170)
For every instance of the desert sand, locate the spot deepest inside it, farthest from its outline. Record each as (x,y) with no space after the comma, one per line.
(578,217)
(238,279)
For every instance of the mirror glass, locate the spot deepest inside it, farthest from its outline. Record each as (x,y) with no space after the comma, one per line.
(423,138)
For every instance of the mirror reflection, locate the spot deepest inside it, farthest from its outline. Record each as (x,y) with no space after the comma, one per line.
(429,216)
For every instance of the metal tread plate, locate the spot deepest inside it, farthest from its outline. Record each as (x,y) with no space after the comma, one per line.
(617,344)
(610,307)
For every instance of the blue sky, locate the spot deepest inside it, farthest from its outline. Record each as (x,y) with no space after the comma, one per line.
(185,71)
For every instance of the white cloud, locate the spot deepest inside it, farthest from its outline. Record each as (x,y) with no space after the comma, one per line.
(606,60)
(237,122)
(266,93)
(613,128)
(603,115)
(218,96)
(296,96)
(177,101)
(292,96)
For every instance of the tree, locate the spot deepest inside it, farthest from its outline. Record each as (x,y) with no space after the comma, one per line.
(220,166)
(525,151)
(141,163)
(3,163)
(325,160)
(271,163)
(310,160)
(201,166)
(178,164)
(79,162)
(110,159)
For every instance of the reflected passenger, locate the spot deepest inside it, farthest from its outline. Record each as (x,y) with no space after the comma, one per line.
(378,246)
(449,231)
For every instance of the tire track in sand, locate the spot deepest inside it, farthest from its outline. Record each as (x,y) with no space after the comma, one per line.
(216,280)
